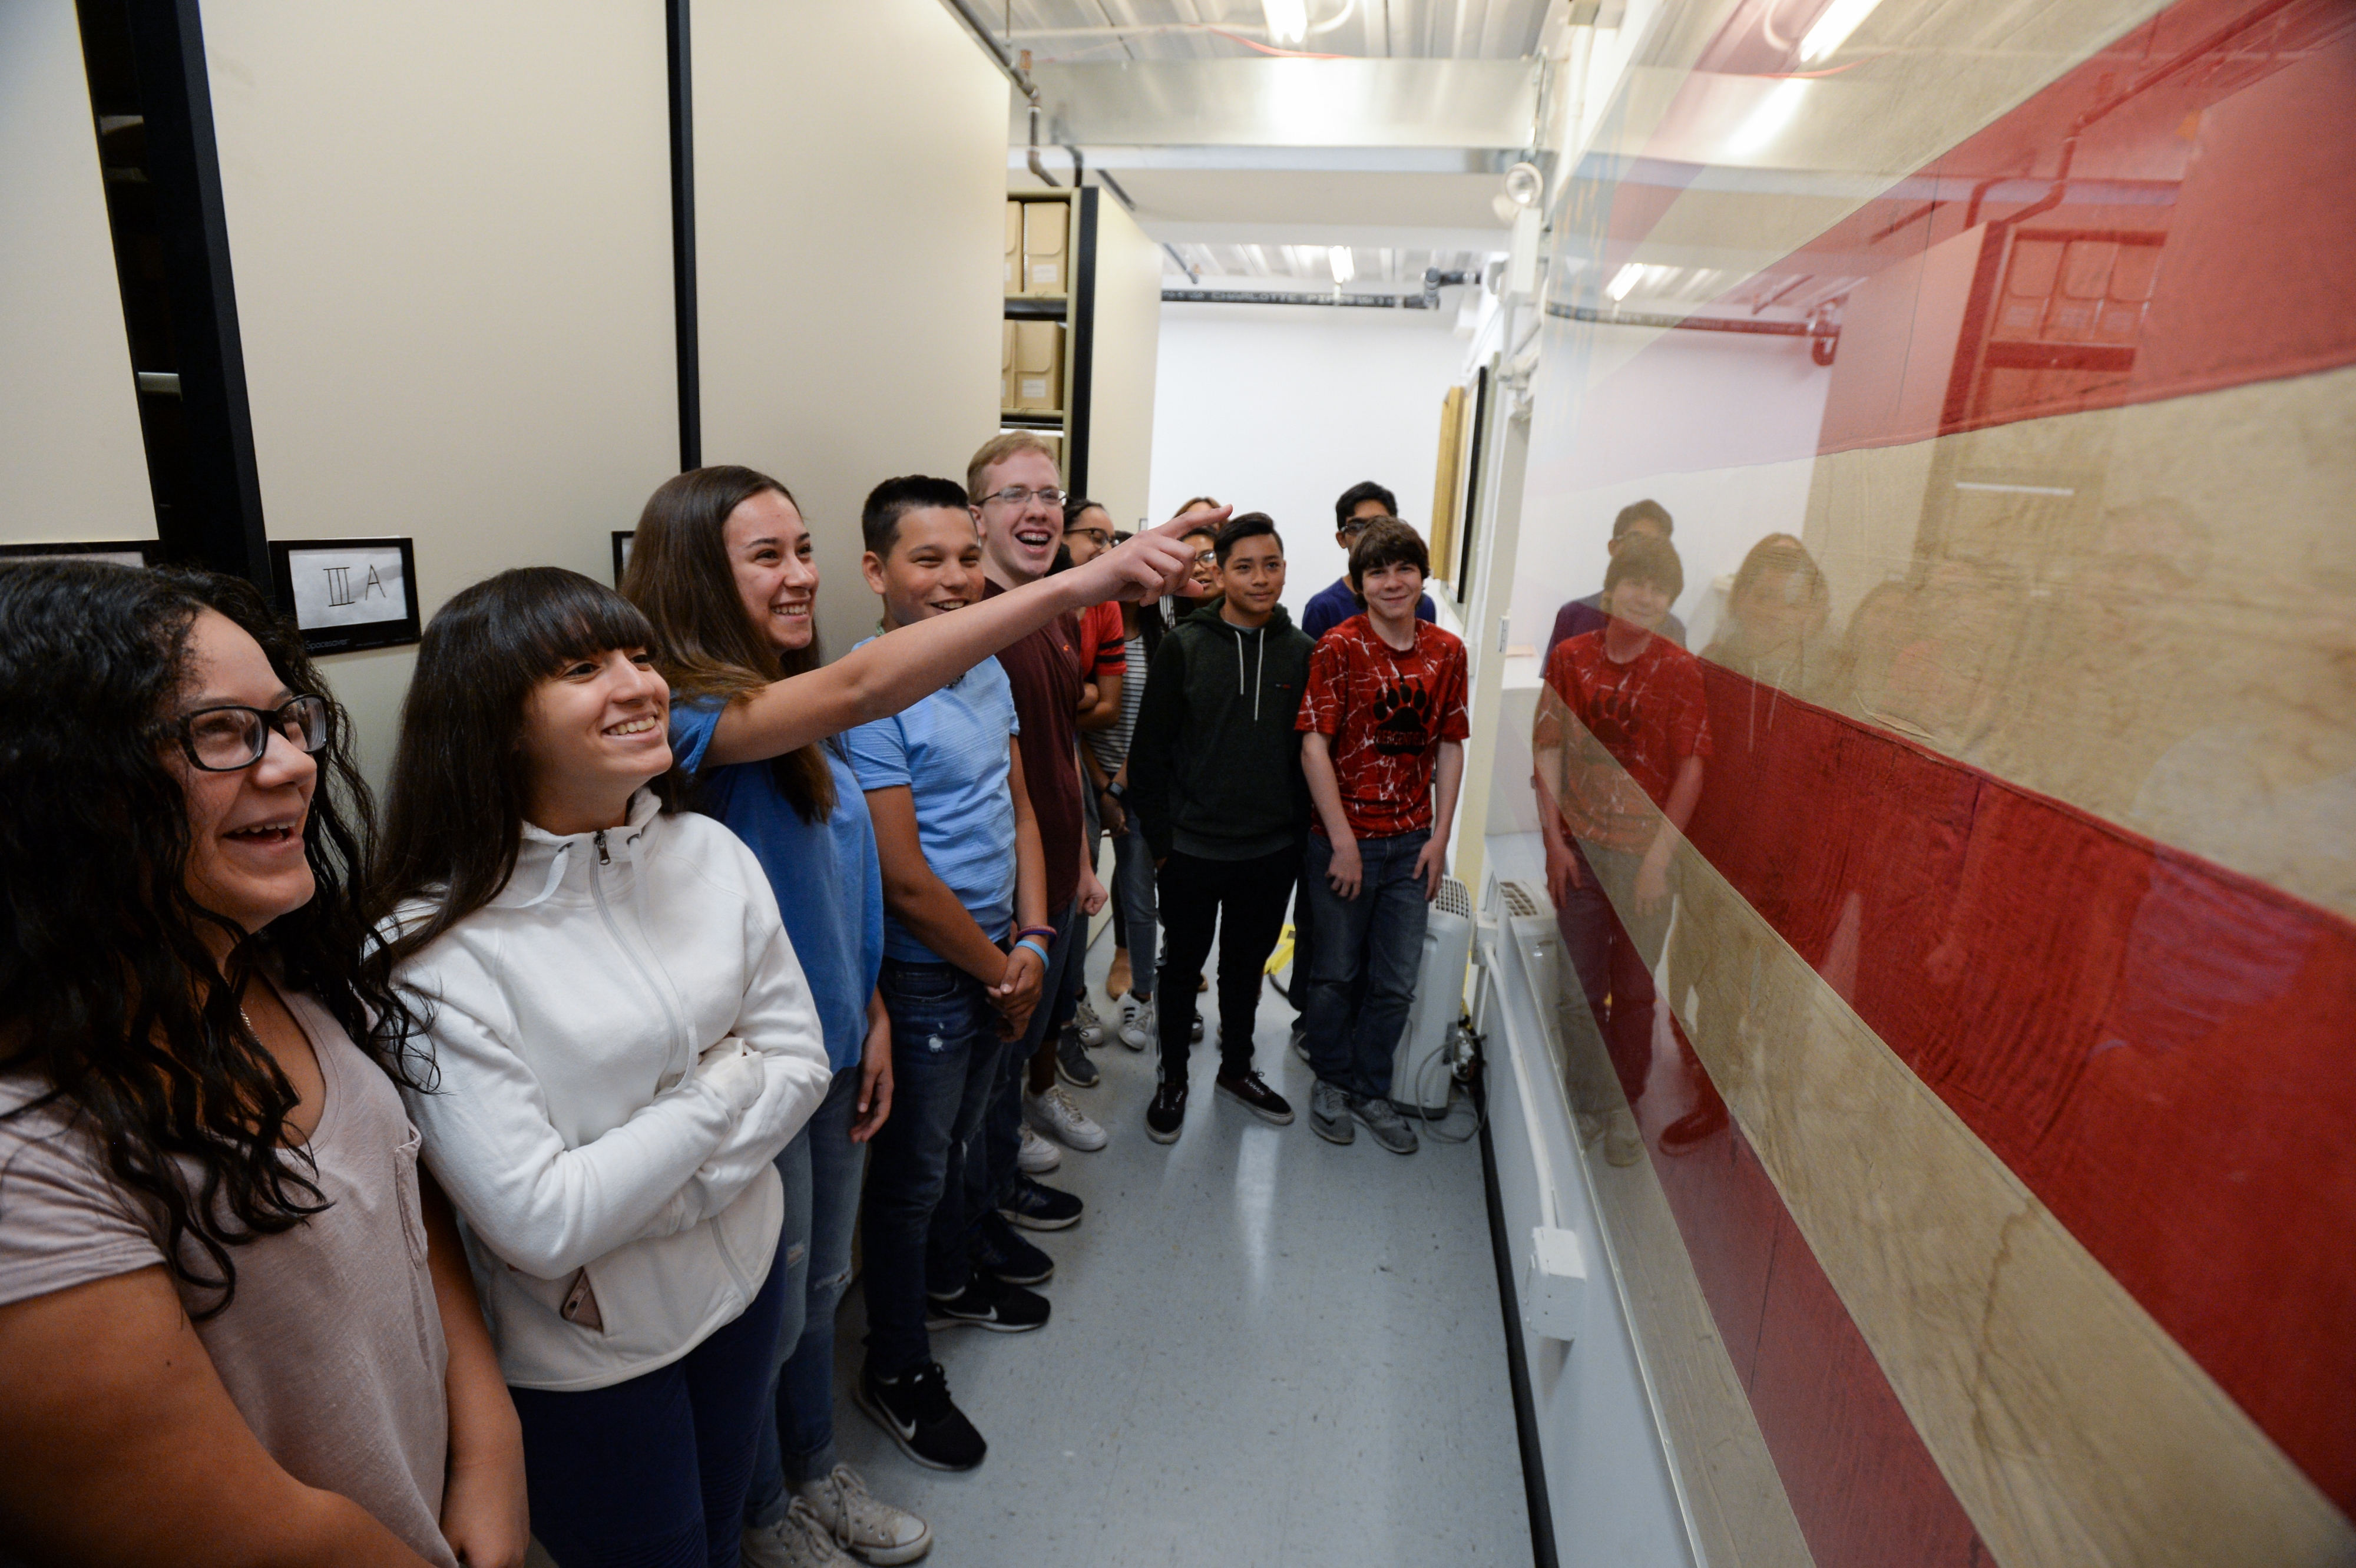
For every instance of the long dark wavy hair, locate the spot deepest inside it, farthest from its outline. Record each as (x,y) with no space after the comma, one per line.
(455,808)
(680,576)
(110,995)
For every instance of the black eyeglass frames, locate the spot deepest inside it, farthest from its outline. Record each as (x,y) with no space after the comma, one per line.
(224,739)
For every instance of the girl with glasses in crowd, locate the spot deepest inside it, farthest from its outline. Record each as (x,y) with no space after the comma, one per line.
(236,1325)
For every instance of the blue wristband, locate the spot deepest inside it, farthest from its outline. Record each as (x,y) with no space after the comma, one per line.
(1036,946)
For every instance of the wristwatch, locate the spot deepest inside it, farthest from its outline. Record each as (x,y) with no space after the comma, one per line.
(1116,790)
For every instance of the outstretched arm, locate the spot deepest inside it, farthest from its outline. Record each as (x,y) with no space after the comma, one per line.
(880,677)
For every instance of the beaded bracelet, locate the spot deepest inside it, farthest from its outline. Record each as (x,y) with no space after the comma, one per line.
(1045,933)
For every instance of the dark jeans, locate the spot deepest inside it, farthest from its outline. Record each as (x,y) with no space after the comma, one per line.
(991,1169)
(1244,901)
(798,1446)
(945,1058)
(1133,921)
(1371,945)
(1612,949)
(650,1473)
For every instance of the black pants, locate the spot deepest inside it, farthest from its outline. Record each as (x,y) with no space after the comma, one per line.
(1192,894)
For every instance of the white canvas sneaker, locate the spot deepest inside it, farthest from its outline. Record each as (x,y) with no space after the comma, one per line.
(1037,1156)
(1138,1022)
(797,1540)
(1623,1143)
(1056,1115)
(872,1528)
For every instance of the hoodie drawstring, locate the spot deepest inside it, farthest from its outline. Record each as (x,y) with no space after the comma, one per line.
(556,865)
(1259,643)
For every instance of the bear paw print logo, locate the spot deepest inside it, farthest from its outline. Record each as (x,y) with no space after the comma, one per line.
(1402,720)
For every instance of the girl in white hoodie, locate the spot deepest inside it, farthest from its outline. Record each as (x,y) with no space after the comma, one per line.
(623,1041)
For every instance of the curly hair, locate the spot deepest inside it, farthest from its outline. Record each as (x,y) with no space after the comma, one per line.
(111,998)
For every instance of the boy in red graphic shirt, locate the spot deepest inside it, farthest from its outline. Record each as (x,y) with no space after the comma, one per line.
(1621,729)
(1383,749)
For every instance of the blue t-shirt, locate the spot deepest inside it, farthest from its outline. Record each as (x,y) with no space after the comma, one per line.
(950,752)
(1336,604)
(829,883)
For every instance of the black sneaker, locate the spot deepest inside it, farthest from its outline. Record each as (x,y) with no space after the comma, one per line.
(1167,1113)
(1006,1257)
(986,1303)
(1195,1035)
(1035,1207)
(1071,1064)
(916,1409)
(1251,1092)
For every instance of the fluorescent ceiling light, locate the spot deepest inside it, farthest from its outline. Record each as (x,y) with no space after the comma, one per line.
(1287,20)
(1832,29)
(1767,122)
(1623,281)
(1344,268)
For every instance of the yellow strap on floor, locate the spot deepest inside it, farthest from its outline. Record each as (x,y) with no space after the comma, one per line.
(1284,953)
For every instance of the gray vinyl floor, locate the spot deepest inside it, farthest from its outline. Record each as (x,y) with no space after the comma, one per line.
(1265,1350)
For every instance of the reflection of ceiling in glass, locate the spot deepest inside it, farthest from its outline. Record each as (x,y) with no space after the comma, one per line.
(1080,30)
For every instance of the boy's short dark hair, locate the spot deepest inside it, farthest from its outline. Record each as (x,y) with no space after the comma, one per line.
(1648,559)
(1645,510)
(887,504)
(1363,491)
(1388,541)
(1251,525)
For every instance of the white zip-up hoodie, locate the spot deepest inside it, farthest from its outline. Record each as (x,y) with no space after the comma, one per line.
(624,1042)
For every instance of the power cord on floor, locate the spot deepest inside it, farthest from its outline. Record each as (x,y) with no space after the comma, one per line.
(1461,1064)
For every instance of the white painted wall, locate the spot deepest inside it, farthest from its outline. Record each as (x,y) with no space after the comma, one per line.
(1280,408)
(450,226)
(72,463)
(850,197)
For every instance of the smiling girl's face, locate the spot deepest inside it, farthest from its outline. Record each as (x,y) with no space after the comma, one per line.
(592,734)
(776,571)
(246,859)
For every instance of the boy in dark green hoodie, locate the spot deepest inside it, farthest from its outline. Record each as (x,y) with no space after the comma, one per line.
(1214,778)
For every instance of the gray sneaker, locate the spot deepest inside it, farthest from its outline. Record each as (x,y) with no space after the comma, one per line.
(1383,1120)
(1329,1113)
(1087,1026)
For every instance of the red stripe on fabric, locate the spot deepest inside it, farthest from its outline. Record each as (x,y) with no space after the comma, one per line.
(2207,147)
(2159,1047)
(1863,1486)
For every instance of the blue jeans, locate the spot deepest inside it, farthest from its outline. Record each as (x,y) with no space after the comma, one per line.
(1371,945)
(989,1178)
(1133,902)
(650,1472)
(945,1057)
(826,1166)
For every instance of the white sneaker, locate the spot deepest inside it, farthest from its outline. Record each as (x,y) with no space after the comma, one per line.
(1038,1156)
(1138,1022)
(864,1523)
(800,1540)
(1087,1025)
(1623,1145)
(1057,1116)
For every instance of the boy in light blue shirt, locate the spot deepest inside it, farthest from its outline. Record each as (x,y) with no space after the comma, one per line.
(964,953)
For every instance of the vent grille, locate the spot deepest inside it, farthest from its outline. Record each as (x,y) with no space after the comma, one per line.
(1516,898)
(1454,898)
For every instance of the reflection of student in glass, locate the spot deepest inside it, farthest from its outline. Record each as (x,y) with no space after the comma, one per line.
(1638,519)
(1618,746)
(1775,617)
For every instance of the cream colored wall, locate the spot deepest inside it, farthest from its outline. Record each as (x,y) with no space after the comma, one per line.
(1127,334)
(851,187)
(450,229)
(71,464)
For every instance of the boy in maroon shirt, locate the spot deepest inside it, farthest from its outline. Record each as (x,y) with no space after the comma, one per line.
(1622,730)
(1383,716)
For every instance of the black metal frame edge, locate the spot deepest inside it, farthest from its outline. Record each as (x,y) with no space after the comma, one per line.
(218,522)
(682,235)
(1517,1363)
(1082,340)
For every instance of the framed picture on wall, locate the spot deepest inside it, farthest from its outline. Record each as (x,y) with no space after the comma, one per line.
(347,593)
(121,552)
(622,537)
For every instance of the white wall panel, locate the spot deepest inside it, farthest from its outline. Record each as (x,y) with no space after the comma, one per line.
(71,464)
(450,229)
(851,187)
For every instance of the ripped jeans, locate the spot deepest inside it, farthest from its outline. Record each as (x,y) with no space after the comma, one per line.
(821,1168)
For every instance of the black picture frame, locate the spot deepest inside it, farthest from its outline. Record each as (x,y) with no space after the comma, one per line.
(320,607)
(104,549)
(622,537)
